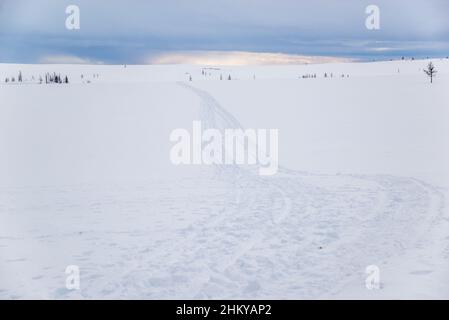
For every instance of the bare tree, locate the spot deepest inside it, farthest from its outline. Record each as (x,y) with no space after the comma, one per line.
(431,71)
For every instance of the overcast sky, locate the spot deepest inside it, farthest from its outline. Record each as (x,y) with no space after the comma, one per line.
(138,31)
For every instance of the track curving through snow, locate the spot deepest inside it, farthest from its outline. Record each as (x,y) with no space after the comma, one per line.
(304,235)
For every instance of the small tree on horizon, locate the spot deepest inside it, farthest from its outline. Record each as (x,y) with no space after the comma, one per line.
(430,71)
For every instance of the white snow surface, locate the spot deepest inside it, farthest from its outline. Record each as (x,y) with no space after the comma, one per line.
(86,180)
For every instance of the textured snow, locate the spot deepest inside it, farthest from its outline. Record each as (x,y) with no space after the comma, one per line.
(85,179)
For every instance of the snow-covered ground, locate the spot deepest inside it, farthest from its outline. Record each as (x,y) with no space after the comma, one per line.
(86,180)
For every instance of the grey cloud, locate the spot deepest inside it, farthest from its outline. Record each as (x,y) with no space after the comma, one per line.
(135,27)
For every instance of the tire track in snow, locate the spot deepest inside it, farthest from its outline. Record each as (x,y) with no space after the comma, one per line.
(395,197)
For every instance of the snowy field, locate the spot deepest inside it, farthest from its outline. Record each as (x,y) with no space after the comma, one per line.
(86,180)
